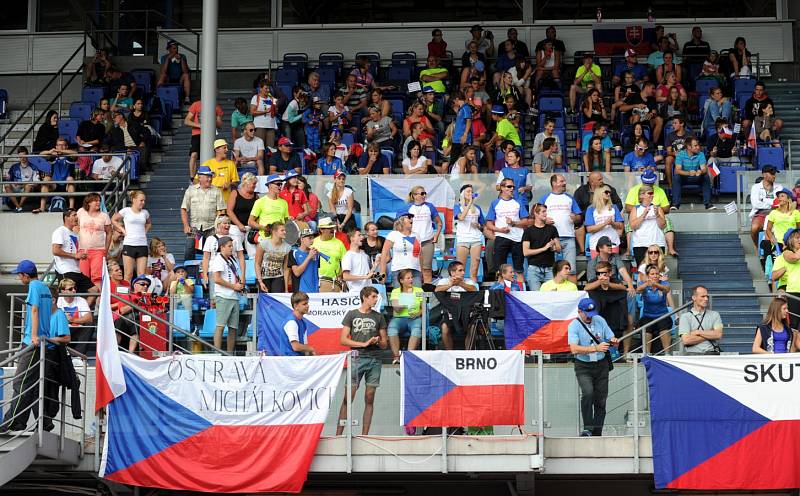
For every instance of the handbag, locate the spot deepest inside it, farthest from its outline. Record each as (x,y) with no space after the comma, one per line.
(606,354)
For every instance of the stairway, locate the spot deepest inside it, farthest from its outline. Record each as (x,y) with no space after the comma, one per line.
(170,178)
(787,106)
(717,261)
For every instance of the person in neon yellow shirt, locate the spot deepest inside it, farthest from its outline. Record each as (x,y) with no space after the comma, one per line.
(587,76)
(225,175)
(331,252)
(505,129)
(270,208)
(560,280)
(407,317)
(783,218)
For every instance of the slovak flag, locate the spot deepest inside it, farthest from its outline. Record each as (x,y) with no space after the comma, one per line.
(713,170)
(724,422)
(751,138)
(538,320)
(219,424)
(109,379)
(461,388)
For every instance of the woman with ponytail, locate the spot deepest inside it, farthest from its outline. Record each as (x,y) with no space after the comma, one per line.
(134,226)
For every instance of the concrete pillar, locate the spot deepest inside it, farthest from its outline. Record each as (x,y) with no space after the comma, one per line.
(208,80)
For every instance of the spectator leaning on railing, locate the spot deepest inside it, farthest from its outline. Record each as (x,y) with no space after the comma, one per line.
(699,328)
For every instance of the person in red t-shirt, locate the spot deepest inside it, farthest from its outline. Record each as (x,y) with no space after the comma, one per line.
(192,120)
(295,197)
(437,47)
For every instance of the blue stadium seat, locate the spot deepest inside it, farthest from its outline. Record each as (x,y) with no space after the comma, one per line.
(92,95)
(209,324)
(704,86)
(68,128)
(348,139)
(551,104)
(727,178)
(398,109)
(770,155)
(170,94)
(399,74)
(286,76)
(333,61)
(743,87)
(327,75)
(182,318)
(144,79)
(250,271)
(296,61)
(404,59)
(80,110)
(374,59)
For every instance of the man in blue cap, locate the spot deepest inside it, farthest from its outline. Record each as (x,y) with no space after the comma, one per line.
(434,108)
(201,204)
(590,338)
(38,305)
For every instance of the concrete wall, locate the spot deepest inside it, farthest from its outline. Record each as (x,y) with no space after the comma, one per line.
(27,236)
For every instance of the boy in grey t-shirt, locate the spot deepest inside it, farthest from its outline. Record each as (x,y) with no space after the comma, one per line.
(545,160)
(364,330)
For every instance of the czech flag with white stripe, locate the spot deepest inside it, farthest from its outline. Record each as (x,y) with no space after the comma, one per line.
(537,320)
(725,422)
(219,424)
(462,388)
(109,379)
(390,194)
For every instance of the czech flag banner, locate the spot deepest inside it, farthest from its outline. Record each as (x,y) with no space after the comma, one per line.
(323,321)
(725,422)
(109,381)
(461,388)
(390,194)
(219,424)
(537,320)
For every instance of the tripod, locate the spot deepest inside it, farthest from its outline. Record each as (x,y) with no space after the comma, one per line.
(479,332)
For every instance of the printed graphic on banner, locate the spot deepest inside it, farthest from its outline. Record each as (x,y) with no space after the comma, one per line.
(219,424)
(613,38)
(725,422)
(462,388)
(323,321)
(539,321)
(390,194)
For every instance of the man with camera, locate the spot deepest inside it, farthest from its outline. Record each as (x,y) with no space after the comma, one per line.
(484,39)
(590,340)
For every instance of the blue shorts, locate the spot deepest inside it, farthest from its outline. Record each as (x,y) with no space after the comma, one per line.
(404,325)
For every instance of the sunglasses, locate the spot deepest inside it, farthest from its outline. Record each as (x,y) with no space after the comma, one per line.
(421,193)
(653,252)
(509,186)
(603,273)
(142,283)
(68,289)
(649,193)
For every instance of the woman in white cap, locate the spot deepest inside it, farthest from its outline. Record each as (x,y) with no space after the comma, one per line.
(340,201)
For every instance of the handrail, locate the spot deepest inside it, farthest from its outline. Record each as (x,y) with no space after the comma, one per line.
(120,187)
(171,326)
(31,105)
(15,355)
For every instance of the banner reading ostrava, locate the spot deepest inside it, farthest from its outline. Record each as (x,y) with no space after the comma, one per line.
(219,424)
(459,388)
(725,422)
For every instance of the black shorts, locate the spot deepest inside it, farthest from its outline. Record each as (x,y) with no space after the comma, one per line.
(663,325)
(82,283)
(504,246)
(195,146)
(134,251)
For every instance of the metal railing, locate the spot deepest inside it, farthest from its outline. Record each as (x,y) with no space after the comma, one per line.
(113,193)
(59,75)
(20,405)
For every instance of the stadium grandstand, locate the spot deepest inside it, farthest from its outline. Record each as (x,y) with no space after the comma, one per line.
(241,175)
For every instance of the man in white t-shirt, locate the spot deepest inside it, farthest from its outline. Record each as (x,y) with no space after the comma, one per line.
(222,228)
(225,270)
(106,166)
(295,328)
(508,218)
(356,270)
(563,212)
(248,151)
(66,256)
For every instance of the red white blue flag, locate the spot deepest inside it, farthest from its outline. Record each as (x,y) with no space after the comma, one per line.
(725,422)
(460,388)
(538,320)
(109,379)
(323,321)
(219,424)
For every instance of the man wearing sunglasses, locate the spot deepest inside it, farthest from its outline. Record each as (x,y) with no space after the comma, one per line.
(248,151)
(563,212)
(640,158)
(507,219)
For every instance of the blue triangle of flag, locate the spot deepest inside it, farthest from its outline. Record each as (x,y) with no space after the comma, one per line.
(521,321)
(143,422)
(692,421)
(423,386)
